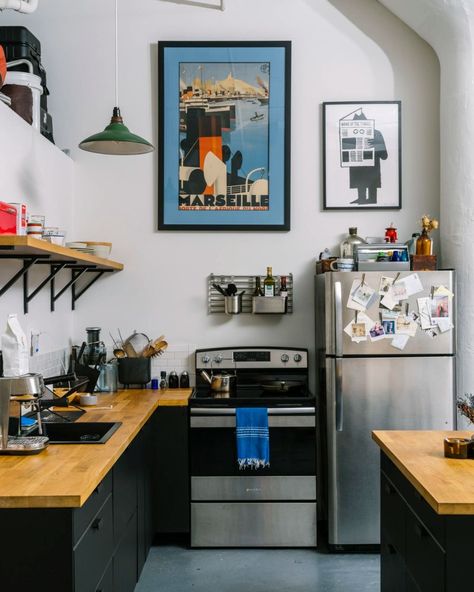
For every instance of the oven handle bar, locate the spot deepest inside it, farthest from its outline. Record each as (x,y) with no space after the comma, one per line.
(272,411)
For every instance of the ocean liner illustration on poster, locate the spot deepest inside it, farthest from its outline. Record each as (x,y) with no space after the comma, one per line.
(224,136)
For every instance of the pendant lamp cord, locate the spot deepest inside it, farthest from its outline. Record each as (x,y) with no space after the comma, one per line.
(116,55)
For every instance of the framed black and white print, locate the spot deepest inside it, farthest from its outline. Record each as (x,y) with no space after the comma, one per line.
(224,135)
(362,155)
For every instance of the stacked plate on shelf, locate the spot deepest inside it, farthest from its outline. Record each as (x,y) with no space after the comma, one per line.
(81,247)
(99,249)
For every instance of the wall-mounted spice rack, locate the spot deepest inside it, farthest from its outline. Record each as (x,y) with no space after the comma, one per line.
(215,300)
(34,252)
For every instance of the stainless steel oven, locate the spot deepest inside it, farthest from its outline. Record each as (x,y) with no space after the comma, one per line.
(273,506)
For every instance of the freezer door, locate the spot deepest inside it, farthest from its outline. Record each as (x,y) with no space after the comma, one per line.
(376,394)
(337,316)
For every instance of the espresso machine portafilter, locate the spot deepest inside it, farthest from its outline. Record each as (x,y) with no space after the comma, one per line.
(28,386)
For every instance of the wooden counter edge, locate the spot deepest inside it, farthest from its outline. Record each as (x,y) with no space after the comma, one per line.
(411,478)
(76,501)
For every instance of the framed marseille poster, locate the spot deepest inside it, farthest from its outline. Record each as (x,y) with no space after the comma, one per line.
(362,155)
(224,136)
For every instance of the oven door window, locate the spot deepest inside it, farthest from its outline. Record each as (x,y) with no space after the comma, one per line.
(213,451)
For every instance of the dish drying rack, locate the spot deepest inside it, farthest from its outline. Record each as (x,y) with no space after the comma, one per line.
(215,300)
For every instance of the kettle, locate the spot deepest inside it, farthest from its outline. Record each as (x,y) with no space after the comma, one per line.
(220,383)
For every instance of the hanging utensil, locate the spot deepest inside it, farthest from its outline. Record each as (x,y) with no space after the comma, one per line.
(219,289)
(231,290)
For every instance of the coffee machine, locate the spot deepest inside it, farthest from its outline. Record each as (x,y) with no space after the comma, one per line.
(25,390)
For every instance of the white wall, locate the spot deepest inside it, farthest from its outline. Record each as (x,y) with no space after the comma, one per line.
(34,171)
(342,50)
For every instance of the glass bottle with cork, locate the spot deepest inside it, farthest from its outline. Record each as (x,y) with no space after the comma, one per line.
(349,243)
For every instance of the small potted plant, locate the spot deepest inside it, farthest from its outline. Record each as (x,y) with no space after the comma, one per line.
(466,406)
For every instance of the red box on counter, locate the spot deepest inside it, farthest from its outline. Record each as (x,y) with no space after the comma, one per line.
(8,218)
(21,218)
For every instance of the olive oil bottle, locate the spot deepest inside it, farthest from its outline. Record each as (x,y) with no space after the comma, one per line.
(269,284)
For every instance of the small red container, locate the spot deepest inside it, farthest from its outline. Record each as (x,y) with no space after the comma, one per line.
(8,218)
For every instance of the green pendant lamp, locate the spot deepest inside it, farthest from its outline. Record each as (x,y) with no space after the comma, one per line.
(116,139)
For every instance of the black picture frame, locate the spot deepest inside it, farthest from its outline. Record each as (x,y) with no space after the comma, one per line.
(187,104)
(374,178)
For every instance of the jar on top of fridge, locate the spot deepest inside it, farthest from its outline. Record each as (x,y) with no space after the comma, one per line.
(349,243)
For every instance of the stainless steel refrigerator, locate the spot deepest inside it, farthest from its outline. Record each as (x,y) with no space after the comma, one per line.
(369,386)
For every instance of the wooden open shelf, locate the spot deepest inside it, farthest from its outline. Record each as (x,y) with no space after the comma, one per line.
(33,251)
(24,245)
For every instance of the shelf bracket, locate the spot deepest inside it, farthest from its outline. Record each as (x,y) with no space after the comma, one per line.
(72,281)
(77,294)
(27,263)
(27,298)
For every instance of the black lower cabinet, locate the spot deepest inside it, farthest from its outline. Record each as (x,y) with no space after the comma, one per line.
(172,473)
(100,547)
(125,558)
(421,551)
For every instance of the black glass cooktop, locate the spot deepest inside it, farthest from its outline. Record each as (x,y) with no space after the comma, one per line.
(254,396)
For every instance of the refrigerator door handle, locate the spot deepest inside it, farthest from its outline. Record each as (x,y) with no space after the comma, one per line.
(338,317)
(339,401)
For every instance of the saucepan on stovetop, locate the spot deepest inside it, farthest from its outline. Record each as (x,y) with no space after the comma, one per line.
(220,383)
(283,386)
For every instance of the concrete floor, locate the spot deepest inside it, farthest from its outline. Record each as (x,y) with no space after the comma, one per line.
(178,569)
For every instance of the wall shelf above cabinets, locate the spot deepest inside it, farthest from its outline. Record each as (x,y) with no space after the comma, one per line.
(34,252)
(216,302)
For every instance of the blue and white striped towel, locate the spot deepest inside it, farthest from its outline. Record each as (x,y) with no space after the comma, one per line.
(253,440)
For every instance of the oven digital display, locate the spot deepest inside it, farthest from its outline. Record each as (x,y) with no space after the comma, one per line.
(252,356)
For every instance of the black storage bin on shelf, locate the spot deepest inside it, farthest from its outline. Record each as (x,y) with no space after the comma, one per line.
(20,44)
(134,371)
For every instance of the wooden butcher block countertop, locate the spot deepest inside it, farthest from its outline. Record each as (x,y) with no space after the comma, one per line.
(64,475)
(446,484)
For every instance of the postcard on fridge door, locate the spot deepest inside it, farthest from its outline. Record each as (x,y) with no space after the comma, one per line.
(404,325)
(385,283)
(398,291)
(443,324)
(389,328)
(388,301)
(424,309)
(412,284)
(363,294)
(351,303)
(442,291)
(440,307)
(356,331)
(399,341)
(376,332)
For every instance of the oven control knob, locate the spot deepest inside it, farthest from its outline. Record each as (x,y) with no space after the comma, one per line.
(205,359)
(218,359)
(284,357)
(297,357)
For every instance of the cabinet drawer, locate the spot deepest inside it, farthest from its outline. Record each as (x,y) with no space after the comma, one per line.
(392,572)
(94,550)
(125,490)
(434,522)
(425,560)
(393,510)
(82,517)
(125,559)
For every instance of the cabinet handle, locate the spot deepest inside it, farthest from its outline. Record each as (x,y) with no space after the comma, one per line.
(97,524)
(420,530)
